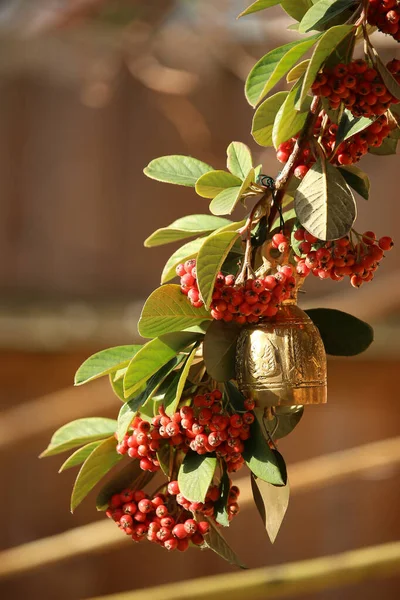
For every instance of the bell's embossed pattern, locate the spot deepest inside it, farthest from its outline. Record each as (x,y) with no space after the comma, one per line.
(283,361)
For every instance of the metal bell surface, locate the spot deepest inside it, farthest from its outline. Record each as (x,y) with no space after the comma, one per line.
(282,361)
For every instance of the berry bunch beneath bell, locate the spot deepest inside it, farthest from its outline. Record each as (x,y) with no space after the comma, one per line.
(167,518)
(358,86)
(341,258)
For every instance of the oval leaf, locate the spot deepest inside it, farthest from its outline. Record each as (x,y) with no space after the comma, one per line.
(325,46)
(153,356)
(349,125)
(181,170)
(342,334)
(390,82)
(79,432)
(296,8)
(219,350)
(171,405)
(239,159)
(264,118)
(271,502)
(210,259)
(261,460)
(104,362)
(215,541)
(185,227)
(324,203)
(79,456)
(285,420)
(289,121)
(98,463)
(273,66)
(195,476)
(297,71)
(211,184)
(356,179)
(259,5)
(221,506)
(131,476)
(167,310)
(324,11)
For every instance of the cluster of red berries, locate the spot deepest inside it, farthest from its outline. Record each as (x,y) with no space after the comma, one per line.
(248,303)
(341,258)
(205,427)
(358,86)
(347,153)
(166,519)
(385,15)
(143,517)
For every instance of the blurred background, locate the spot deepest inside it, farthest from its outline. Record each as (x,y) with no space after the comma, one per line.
(90,92)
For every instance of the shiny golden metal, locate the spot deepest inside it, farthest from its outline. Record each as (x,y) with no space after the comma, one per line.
(282,361)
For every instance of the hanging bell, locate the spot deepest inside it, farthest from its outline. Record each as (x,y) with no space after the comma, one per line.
(282,362)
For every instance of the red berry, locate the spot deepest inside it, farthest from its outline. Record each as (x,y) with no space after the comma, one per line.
(179,531)
(385,243)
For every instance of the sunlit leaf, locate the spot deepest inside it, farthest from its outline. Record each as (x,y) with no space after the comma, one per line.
(79,456)
(104,362)
(264,462)
(214,182)
(98,464)
(185,227)
(264,118)
(131,476)
(168,310)
(210,259)
(322,12)
(79,432)
(289,121)
(195,476)
(239,161)
(271,502)
(181,170)
(356,179)
(259,5)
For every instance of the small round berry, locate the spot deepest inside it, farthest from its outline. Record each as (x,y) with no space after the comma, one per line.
(171,544)
(385,243)
(179,531)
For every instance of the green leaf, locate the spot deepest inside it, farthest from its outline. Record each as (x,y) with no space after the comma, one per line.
(325,46)
(104,362)
(349,125)
(131,476)
(289,121)
(215,541)
(273,66)
(214,182)
(195,476)
(239,159)
(171,405)
(324,203)
(118,388)
(264,118)
(261,460)
(220,507)
(271,502)
(390,82)
(185,227)
(181,255)
(153,356)
(259,5)
(163,457)
(210,259)
(219,350)
(180,170)
(79,456)
(296,8)
(79,432)
(356,179)
(322,12)
(167,310)
(98,463)
(297,71)
(225,203)
(285,420)
(342,334)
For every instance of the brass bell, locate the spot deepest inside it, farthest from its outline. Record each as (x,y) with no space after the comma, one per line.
(282,361)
